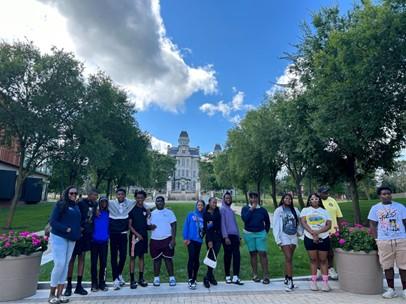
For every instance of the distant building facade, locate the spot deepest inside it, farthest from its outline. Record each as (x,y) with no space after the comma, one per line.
(184,184)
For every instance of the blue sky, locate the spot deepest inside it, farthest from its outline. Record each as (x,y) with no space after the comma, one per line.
(243,41)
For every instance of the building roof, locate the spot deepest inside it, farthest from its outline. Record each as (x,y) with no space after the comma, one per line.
(184,134)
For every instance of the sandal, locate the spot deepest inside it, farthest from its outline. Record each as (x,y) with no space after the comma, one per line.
(53,300)
(266,281)
(256,279)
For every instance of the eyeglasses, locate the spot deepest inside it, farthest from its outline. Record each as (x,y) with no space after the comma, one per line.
(386,193)
(73,193)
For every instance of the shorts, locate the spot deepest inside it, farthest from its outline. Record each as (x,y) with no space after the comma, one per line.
(82,245)
(287,239)
(322,245)
(159,248)
(256,241)
(390,251)
(139,248)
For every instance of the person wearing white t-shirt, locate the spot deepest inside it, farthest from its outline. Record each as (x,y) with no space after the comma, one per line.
(163,240)
(388,221)
(316,222)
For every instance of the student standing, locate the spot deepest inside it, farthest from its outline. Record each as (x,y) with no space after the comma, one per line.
(163,240)
(387,221)
(286,227)
(99,246)
(138,242)
(336,215)
(231,240)
(118,214)
(65,224)
(193,238)
(212,229)
(317,223)
(87,208)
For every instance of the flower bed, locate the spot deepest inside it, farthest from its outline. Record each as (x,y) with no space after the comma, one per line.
(22,243)
(353,238)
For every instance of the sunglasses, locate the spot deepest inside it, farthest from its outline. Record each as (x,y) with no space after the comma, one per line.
(73,193)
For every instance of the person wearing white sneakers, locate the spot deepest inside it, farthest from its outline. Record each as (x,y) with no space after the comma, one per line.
(336,215)
(316,222)
(387,220)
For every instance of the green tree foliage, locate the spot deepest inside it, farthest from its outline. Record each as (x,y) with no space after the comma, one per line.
(397,178)
(207,176)
(162,166)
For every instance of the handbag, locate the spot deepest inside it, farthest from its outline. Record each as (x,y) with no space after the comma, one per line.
(209,262)
(47,229)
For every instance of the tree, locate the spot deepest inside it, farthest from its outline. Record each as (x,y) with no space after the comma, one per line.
(353,67)
(162,166)
(222,171)
(397,178)
(207,177)
(40,97)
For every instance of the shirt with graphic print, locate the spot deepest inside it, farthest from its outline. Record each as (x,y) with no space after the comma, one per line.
(316,218)
(390,220)
(289,224)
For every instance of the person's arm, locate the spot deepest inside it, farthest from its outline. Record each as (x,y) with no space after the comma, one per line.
(276,227)
(373,228)
(173,233)
(326,227)
(130,226)
(186,230)
(55,219)
(246,214)
(340,217)
(224,228)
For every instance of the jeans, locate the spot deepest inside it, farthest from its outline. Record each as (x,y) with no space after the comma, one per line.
(62,250)
(194,259)
(118,248)
(98,254)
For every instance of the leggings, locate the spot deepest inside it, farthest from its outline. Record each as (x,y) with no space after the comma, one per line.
(62,250)
(194,259)
(118,247)
(98,254)
(216,248)
(232,251)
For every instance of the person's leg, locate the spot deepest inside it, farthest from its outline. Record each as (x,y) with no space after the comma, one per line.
(288,253)
(59,250)
(254,263)
(169,266)
(94,254)
(402,273)
(132,267)
(157,266)
(70,271)
(123,253)
(227,259)
(191,253)
(113,255)
(236,255)
(103,264)
(196,260)
(141,268)
(330,258)
(81,266)
(68,255)
(314,263)
(264,263)
(323,261)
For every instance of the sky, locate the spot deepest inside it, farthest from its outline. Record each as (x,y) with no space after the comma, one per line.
(187,65)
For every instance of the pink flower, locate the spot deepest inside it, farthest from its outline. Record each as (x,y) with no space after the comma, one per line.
(341,242)
(351,229)
(7,244)
(344,223)
(358,226)
(337,234)
(46,238)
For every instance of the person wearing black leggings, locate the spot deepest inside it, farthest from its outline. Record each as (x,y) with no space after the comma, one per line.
(193,238)
(212,229)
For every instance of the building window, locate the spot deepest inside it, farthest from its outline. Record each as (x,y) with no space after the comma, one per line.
(183,172)
(187,173)
(183,162)
(187,162)
(194,186)
(194,173)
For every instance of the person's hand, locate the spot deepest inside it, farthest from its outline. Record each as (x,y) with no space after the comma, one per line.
(186,242)
(68,229)
(227,241)
(153,227)
(316,238)
(97,212)
(253,206)
(139,236)
(210,244)
(172,244)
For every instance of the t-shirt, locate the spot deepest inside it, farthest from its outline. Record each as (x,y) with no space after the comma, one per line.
(289,224)
(163,220)
(316,218)
(138,216)
(390,220)
(334,210)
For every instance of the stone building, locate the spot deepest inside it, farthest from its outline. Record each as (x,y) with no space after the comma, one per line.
(184,183)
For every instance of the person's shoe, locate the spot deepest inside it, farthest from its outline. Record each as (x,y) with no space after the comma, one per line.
(206,282)
(133,285)
(142,283)
(172,282)
(325,287)
(121,279)
(228,280)
(53,300)
(63,299)
(212,280)
(256,279)
(318,274)
(313,286)
(94,288)
(286,281)
(156,282)
(103,287)
(266,281)
(80,290)
(404,293)
(116,285)
(390,293)
(290,286)
(332,273)
(68,291)
(193,285)
(237,281)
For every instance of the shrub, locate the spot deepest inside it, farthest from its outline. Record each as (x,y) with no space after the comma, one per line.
(353,238)
(22,243)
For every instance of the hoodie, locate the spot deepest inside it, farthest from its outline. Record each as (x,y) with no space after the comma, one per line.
(228,221)
(212,225)
(118,213)
(101,224)
(193,226)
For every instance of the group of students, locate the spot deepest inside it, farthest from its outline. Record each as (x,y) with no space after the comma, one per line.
(91,224)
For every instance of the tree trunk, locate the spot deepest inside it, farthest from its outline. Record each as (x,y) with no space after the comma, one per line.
(299,192)
(108,187)
(259,191)
(17,192)
(354,190)
(273,186)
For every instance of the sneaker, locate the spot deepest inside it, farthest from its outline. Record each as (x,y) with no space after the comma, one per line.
(286,281)
(192,284)
(68,291)
(318,274)
(189,282)
(266,281)
(133,285)
(206,282)
(228,280)
(390,293)
(156,282)
(313,286)
(290,286)
(325,287)
(121,279)
(53,300)
(142,283)
(256,279)
(212,280)
(63,299)
(116,285)
(80,290)
(237,281)
(103,287)
(332,274)
(172,282)
(404,293)
(94,288)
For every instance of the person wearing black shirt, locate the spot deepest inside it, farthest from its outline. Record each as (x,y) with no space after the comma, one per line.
(88,207)
(138,242)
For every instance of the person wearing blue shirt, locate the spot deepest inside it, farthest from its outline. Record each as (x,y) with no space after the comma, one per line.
(193,238)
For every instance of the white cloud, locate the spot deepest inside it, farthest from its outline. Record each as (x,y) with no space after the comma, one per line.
(230,109)
(126,38)
(159,145)
(288,83)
